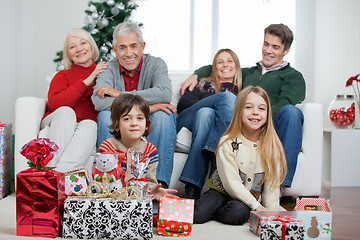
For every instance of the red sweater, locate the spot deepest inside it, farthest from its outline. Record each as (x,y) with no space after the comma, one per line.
(68,89)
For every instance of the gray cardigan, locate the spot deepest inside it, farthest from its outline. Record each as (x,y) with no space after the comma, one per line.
(154,82)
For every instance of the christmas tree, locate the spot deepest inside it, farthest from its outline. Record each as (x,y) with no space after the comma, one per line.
(101,18)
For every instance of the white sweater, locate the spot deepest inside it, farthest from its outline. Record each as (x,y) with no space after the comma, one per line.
(241,171)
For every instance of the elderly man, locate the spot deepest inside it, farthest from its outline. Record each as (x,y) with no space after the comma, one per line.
(284,85)
(142,74)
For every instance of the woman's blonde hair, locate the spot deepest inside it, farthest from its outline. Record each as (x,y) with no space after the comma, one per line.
(270,147)
(83,34)
(214,77)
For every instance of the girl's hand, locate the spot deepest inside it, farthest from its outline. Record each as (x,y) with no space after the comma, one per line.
(99,69)
(261,208)
(158,191)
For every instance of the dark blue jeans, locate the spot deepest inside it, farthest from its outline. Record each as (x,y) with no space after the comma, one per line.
(288,124)
(207,119)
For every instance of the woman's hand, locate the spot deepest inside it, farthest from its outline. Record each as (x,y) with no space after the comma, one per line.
(99,69)
(158,191)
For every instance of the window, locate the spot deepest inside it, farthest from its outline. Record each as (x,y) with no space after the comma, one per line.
(188,33)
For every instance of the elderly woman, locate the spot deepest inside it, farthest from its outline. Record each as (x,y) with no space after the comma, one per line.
(71,115)
(207,111)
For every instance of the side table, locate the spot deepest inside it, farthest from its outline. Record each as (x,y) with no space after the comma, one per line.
(341,164)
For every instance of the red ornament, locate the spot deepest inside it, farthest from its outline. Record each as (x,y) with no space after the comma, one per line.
(343,116)
(40,151)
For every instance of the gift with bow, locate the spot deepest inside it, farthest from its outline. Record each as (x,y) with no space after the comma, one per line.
(40,192)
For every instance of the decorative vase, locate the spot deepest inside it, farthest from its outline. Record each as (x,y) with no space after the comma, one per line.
(357,116)
(342,111)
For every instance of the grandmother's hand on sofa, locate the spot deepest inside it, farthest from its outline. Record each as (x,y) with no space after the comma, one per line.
(190,83)
(166,107)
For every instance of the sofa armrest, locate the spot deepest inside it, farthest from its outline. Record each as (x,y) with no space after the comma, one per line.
(308,174)
(29,112)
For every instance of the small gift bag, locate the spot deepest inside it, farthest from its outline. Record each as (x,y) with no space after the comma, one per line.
(316,215)
(176,216)
(5,158)
(39,192)
(138,182)
(76,182)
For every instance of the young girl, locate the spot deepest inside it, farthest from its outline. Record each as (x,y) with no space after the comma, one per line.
(251,164)
(130,117)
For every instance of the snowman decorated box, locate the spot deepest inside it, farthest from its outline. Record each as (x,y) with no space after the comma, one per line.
(316,215)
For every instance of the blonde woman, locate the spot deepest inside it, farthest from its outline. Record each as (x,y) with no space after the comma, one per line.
(206,112)
(71,115)
(251,163)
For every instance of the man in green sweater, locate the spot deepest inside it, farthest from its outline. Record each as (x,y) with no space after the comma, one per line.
(284,85)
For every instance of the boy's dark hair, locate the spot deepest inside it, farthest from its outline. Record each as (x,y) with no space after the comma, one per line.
(122,105)
(283,32)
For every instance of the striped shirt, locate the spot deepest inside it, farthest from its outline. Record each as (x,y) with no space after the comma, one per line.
(145,151)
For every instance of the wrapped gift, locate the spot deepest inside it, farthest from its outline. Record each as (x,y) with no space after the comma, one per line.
(316,215)
(257,217)
(76,182)
(176,216)
(281,227)
(5,158)
(99,218)
(39,192)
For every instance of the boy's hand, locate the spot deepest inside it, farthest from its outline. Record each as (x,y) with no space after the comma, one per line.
(158,191)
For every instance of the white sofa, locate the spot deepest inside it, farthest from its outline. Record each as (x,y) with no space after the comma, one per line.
(307,180)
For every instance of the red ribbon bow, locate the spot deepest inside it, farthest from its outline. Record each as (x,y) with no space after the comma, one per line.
(283,220)
(138,179)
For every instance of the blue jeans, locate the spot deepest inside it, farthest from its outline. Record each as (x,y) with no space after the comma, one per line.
(288,124)
(163,136)
(207,119)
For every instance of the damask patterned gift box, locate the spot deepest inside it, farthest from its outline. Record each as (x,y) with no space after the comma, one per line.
(276,225)
(316,215)
(5,158)
(176,216)
(107,218)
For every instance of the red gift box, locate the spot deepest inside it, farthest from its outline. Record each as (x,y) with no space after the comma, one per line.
(176,216)
(40,195)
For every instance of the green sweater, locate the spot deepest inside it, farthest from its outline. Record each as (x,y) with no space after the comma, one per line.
(284,86)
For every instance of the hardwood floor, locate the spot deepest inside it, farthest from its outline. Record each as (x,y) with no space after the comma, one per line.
(345,204)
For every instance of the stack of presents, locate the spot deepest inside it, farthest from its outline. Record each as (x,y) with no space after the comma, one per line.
(73,205)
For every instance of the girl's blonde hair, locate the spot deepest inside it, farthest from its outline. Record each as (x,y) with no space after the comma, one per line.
(83,34)
(270,147)
(214,77)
